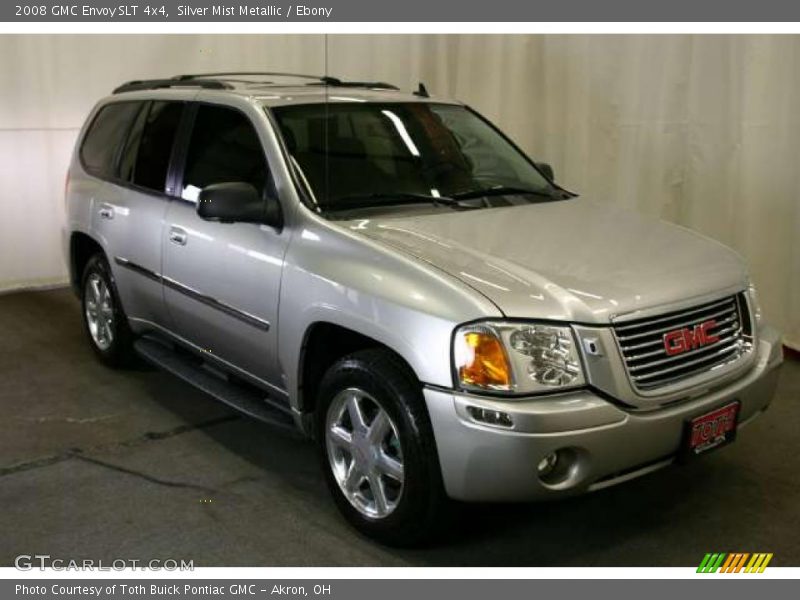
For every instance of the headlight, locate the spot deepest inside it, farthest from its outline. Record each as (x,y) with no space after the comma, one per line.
(516,358)
(755,305)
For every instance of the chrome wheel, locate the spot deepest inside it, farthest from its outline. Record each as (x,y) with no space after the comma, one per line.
(364,453)
(99,307)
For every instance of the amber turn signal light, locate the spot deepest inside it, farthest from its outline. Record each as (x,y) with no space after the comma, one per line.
(481,361)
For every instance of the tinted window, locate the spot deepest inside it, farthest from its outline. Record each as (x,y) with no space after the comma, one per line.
(365,151)
(106,134)
(127,160)
(145,160)
(224,148)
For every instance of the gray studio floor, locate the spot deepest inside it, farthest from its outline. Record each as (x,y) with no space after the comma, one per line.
(102,464)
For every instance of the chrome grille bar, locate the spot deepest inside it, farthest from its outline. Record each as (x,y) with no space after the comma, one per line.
(726,340)
(685,364)
(680,314)
(685,323)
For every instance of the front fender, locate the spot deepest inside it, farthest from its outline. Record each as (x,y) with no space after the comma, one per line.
(335,276)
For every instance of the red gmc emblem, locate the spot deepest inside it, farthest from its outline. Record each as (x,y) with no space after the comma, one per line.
(683,340)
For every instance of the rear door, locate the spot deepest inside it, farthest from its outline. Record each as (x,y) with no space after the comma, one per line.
(222,280)
(116,216)
(133,221)
(99,157)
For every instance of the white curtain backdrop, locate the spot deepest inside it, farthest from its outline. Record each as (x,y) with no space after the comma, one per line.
(703,131)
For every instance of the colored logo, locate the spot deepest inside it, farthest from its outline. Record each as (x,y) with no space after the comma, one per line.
(714,426)
(683,340)
(735,562)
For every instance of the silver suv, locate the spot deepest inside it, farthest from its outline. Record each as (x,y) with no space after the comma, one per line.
(390,274)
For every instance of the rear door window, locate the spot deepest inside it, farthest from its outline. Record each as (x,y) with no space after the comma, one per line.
(108,131)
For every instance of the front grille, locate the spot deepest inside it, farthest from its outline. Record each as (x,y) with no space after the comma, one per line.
(642,342)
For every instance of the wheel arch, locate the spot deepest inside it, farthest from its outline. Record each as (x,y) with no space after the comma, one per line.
(325,342)
(81,248)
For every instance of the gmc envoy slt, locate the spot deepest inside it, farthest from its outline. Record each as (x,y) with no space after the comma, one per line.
(391,275)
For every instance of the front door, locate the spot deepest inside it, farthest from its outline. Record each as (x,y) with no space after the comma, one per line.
(222,280)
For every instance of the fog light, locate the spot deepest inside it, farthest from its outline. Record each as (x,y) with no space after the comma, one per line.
(548,464)
(561,468)
(490,417)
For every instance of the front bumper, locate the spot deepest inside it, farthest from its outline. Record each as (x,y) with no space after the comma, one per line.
(605,443)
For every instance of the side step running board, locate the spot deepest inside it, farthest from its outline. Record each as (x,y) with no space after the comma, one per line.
(242,398)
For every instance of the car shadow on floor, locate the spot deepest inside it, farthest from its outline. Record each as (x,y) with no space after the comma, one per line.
(653,520)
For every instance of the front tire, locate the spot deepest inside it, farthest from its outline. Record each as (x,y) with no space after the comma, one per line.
(377,448)
(104,321)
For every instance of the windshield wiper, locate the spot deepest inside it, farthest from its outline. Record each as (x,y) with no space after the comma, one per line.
(377,200)
(502,190)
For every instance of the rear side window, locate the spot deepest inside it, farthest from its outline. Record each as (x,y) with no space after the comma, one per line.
(106,134)
(145,160)
(224,148)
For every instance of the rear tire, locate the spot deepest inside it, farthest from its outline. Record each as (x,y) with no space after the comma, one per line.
(104,321)
(374,433)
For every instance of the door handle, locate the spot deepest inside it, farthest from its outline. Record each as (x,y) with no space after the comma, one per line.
(177,236)
(106,211)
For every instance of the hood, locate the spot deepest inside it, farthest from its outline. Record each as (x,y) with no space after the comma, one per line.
(573,260)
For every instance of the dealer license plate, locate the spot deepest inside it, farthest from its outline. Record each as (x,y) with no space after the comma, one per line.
(710,430)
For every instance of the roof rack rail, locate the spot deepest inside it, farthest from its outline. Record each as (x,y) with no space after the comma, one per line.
(153,84)
(381,85)
(318,79)
(227,74)
(218,81)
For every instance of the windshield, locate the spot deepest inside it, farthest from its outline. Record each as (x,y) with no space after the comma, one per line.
(371,154)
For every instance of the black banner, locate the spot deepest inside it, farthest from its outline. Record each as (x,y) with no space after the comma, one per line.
(406,11)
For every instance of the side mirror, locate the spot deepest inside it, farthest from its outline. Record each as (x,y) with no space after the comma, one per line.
(546,170)
(237,202)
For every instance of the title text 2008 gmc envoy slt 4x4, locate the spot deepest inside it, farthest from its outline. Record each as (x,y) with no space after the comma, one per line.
(390,274)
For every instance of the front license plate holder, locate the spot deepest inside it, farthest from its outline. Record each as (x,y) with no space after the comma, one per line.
(709,431)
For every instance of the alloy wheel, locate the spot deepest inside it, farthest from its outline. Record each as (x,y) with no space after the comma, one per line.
(99,307)
(364,453)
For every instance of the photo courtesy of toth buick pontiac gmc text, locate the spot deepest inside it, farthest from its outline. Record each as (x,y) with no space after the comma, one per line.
(387,273)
